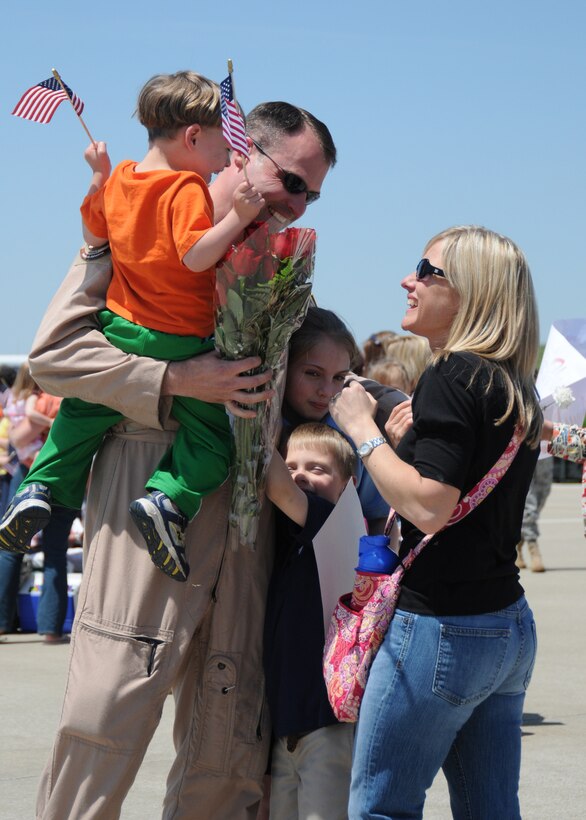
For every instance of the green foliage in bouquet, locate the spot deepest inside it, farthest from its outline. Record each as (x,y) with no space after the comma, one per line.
(263,288)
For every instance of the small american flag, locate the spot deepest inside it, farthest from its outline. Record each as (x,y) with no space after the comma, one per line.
(41,101)
(232,122)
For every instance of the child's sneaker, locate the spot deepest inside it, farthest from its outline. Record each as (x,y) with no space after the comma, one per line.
(28,512)
(163,528)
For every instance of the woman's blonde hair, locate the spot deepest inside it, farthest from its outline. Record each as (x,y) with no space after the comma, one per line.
(168,102)
(497,314)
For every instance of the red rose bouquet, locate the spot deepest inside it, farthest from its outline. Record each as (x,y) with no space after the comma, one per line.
(263,288)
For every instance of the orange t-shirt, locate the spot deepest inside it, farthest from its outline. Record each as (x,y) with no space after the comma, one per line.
(152,219)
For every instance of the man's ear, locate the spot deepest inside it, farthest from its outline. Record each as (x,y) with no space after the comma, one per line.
(191,135)
(238,160)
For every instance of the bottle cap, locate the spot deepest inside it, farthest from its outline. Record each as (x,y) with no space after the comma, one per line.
(375,555)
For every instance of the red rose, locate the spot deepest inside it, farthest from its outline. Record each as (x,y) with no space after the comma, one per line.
(284,243)
(258,237)
(245,260)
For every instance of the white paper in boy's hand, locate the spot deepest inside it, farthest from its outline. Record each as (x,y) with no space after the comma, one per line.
(336,549)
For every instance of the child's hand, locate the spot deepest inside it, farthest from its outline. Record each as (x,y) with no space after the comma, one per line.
(96,156)
(247,202)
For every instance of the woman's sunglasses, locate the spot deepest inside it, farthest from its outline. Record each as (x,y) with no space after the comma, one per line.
(292,183)
(425,268)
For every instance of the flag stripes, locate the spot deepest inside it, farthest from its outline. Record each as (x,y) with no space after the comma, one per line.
(232,120)
(40,102)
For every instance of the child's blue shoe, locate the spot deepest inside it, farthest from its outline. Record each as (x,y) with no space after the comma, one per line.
(28,512)
(163,527)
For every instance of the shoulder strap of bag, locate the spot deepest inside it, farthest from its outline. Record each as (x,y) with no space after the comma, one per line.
(472,499)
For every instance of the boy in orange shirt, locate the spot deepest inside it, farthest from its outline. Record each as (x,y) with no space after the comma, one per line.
(158,217)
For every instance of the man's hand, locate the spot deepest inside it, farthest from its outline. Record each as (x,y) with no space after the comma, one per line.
(212,379)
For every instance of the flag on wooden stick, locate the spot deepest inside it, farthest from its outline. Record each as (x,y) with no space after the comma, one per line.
(40,102)
(232,121)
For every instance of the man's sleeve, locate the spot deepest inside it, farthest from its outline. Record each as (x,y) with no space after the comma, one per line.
(71,357)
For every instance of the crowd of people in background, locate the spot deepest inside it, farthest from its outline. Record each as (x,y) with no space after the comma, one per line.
(27,414)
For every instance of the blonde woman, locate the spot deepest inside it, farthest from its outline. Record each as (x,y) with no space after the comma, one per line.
(447,687)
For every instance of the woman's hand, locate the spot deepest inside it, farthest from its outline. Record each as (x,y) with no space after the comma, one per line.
(425,502)
(400,420)
(353,409)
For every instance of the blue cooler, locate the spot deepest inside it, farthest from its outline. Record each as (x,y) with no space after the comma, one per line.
(28,601)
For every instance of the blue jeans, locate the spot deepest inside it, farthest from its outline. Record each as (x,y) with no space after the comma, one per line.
(53,601)
(445,692)
(4,493)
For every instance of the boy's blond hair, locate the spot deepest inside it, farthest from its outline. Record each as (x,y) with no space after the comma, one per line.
(168,102)
(316,434)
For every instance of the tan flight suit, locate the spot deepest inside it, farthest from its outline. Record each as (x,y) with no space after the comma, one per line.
(137,634)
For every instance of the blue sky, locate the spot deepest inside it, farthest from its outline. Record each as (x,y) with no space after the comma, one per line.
(443,113)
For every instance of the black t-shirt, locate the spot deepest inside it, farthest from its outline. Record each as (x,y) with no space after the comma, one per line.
(469,568)
(294,628)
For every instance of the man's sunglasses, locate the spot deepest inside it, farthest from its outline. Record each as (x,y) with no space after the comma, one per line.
(292,183)
(425,268)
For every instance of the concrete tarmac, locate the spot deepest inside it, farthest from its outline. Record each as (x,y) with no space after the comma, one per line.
(553,776)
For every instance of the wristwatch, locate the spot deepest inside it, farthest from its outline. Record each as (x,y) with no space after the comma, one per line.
(368,446)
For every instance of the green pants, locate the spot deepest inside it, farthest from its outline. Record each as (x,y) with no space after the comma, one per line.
(196,464)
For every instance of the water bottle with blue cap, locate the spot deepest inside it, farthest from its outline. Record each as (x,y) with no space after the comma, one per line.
(375,558)
(375,555)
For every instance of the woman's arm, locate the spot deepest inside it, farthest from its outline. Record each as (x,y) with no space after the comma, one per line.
(426,503)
